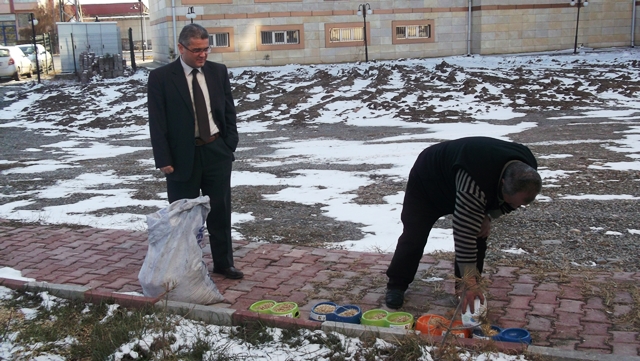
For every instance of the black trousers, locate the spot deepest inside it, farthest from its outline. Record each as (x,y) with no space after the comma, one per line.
(212,175)
(419,214)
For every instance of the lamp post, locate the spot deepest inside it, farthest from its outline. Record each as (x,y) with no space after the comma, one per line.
(34,22)
(139,7)
(580,4)
(191,14)
(364,9)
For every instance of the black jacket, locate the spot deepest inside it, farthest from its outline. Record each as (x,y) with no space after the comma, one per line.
(482,158)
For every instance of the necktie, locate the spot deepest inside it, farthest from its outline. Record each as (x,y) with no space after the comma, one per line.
(202,115)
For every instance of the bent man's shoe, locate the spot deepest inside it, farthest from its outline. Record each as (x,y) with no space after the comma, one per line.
(230,272)
(394,298)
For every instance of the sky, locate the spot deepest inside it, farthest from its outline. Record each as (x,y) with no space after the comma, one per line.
(333,189)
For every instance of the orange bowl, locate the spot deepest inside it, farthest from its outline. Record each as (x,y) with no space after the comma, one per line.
(432,325)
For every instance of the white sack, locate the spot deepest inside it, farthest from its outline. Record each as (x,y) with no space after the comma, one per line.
(174,260)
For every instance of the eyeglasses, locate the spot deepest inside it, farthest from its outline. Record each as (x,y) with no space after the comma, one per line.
(198,51)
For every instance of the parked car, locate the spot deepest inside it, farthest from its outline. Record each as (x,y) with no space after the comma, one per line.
(13,63)
(44,57)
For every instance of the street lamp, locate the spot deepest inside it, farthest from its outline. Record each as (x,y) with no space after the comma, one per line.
(580,3)
(34,22)
(364,9)
(191,14)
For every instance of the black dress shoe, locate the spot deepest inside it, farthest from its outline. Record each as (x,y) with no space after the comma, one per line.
(394,298)
(230,272)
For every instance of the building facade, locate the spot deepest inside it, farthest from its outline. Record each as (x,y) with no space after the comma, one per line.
(14,15)
(277,32)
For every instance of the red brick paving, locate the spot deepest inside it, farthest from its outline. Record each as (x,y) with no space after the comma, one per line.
(561,311)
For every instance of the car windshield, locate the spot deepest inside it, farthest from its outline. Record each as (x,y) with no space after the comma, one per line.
(26,49)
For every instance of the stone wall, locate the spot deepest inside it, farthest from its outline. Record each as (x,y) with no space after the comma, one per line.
(497,27)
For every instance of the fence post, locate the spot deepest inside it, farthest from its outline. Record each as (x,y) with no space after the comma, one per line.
(133,55)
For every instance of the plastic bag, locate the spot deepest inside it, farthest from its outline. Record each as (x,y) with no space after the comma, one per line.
(174,262)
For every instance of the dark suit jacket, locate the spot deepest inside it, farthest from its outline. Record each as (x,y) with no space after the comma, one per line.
(172,118)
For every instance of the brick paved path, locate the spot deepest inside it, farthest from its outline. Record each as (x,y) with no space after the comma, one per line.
(584,312)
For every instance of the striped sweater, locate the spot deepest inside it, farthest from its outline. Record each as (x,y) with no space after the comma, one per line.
(468,215)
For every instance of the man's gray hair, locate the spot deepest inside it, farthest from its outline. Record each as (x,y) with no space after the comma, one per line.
(520,177)
(191,31)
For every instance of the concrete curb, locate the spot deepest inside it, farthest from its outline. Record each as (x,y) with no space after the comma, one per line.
(219,314)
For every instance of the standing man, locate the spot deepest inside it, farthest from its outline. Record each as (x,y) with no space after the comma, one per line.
(192,121)
(476,179)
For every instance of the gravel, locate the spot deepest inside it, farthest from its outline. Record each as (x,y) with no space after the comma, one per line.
(555,232)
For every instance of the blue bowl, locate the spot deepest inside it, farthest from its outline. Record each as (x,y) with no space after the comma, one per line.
(321,317)
(355,318)
(477,333)
(515,335)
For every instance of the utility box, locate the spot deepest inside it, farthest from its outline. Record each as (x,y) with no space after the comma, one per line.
(100,38)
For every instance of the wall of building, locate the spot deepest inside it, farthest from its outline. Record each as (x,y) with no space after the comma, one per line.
(498,26)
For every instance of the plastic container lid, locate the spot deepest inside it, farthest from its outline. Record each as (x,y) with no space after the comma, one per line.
(515,335)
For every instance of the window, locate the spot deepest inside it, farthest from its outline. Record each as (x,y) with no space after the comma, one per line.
(219,40)
(346,34)
(413,31)
(338,35)
(280,37)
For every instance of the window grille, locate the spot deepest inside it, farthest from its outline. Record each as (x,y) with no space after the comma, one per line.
(280,37)
(413,31)
(346,34)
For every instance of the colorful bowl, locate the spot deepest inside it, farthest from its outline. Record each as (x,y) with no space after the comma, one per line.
(375,317)
(322,316)
(263,306)
(460,330)
(400,320)
(432,325)
(338,314)
(479,334)
(515,335)
(286,309)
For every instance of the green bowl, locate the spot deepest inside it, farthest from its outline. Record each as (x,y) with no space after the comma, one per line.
(289,309)
(261,306)
(368,318)
(400,320)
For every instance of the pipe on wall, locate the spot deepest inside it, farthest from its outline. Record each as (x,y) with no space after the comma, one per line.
(173,23)
(633,23)
(469,30)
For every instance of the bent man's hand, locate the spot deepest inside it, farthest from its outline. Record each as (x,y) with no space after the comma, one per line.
(167,170)
(485,229)
(468,299)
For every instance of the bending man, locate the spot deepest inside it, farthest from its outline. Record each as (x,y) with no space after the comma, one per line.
(476,179)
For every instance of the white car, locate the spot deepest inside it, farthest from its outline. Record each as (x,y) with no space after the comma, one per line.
(44,57)
(13,63)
